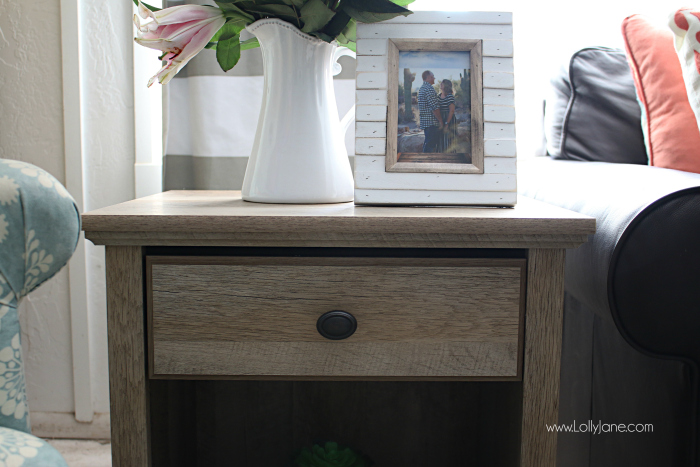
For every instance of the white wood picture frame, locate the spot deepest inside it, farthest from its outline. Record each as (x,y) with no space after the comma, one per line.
(492,181)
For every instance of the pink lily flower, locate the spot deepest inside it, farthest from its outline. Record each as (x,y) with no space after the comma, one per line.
(180,32)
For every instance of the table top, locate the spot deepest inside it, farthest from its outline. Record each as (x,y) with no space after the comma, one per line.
(223,218)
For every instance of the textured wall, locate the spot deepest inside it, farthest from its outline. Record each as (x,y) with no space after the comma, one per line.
(108,112)
(31,129)
(31,111)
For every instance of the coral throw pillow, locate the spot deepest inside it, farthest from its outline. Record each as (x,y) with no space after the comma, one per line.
(685,24)
(670,128)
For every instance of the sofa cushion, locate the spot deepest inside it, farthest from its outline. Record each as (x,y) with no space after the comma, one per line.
(672,134)
(685,24)
(591,113)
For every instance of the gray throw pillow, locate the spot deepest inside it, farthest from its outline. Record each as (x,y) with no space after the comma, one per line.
(592,112)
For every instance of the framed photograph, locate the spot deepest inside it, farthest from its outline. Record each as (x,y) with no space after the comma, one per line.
(436,123)
(435,117)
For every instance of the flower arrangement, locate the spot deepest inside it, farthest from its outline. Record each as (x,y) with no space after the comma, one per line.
(181,32)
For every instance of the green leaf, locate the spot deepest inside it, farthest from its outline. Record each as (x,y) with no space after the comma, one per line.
(272,9)
(250,44)
(227,31)
(217,35)
(375,6)
(350,30)
(348,35)
(262,10)
(315,15)
(296,3)
(370,16)
(228,47)
(271,2)
(232,11)
(337,24)
(372,11)
(237,23)
(345,42)
(403,2)
(228,51)
(150,7)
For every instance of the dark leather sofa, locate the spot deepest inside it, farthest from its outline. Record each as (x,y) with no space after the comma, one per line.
(631,346)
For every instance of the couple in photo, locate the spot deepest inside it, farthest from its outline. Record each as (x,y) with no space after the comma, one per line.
(437,114)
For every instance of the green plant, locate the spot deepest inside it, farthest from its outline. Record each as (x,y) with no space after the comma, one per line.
(329,20)
(330,455)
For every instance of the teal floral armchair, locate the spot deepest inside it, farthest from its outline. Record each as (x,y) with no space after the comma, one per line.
(39,229)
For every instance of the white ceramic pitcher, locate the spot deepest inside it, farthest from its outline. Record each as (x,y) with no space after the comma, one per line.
(299,153)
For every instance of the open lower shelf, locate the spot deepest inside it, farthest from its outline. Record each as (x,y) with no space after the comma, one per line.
(397,424)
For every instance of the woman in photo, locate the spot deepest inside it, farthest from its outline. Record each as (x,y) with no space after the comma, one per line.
(446,99)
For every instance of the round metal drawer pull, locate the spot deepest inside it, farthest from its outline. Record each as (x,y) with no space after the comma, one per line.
(336,325)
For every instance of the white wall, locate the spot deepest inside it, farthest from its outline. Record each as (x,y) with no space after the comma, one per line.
(31,129)
(108,144)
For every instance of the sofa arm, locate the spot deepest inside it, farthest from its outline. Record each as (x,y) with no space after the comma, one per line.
(642,266)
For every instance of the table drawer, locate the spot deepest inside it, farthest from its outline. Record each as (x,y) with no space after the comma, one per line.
(256,317)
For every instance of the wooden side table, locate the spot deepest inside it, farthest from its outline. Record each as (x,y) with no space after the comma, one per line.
(202,286)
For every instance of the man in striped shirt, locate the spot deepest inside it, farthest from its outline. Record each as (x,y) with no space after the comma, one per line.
(429,107)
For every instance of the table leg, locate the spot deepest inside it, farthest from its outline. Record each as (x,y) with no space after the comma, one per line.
(127,367)
(543,331)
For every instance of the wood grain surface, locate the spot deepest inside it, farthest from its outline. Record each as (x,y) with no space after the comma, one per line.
(543,331)
(392,118)
(128,387)
(257,316)
(477,82)
(192,213)
(338,360)
(285,239)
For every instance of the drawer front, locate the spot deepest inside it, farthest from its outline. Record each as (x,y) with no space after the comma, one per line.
(255,317)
